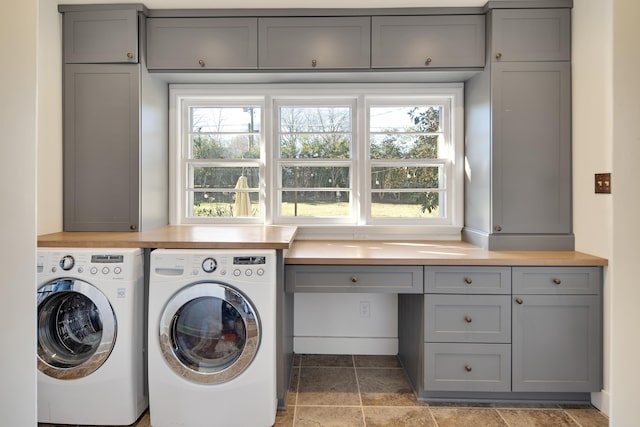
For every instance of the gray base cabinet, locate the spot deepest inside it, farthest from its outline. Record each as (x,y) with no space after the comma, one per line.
(525,333)
(557,329)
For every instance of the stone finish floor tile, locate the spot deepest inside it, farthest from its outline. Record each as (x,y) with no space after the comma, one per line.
(385,387)
(326,360)
(319,416)
(364,361)
(537,418)
(459,417)
(328,386)
(285,418)
(384,416)
(588,417)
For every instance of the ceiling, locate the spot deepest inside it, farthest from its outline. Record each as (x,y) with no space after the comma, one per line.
(277,4)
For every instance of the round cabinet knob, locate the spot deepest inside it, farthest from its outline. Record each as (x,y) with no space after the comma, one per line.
(427,62)
(314,63)
(468,280)
(497,228)
(354,279)
(519,300)
(498,55)
(557,281)
(468,368)
(468,319)
(201,62)
(129,55)
(133,227)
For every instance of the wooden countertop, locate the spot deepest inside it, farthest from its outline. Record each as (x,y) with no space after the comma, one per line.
(179,237)
(426,253)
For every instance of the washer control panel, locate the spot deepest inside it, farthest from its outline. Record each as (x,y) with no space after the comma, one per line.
(250,266)
(91,264)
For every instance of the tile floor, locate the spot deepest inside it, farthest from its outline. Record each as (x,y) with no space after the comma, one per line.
(373,391)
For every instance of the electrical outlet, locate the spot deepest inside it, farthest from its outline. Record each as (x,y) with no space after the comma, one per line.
(365,309)
(603,183)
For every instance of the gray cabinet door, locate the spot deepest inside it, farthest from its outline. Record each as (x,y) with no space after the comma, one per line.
(101,147)
(531,122)
(557,343)
(428,41)
(202,43)
(101,36)
(531,35)
(314,43)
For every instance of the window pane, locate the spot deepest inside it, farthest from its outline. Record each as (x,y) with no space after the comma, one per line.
(409,118)
(206,146)
(225,204)
(225,119)
(389,177)
(405,205)
(404,146)
(301,119)
(315,203)
(315,146)
(224,177)
(315,177)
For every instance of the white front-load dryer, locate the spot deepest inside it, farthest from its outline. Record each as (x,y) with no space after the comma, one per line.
(212,332)
(90,319)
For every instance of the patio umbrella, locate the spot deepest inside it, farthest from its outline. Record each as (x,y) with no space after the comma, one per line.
(242,206)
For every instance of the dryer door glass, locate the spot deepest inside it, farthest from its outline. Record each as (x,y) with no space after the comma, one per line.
(76,328)
(209,333)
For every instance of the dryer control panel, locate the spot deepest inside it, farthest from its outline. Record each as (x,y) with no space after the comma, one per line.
(90,263)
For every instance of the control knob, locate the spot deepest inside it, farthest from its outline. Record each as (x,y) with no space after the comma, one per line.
(209,265)
(67,262)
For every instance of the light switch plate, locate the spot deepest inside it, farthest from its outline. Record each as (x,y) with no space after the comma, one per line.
(603,183)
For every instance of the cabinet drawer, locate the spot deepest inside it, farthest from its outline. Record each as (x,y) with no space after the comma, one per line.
(100,36)
(343,278)
(557,280)
(468,280)
(202,43)
(314,43)
(467,367)
(468,318)
(427,41)
(531,35)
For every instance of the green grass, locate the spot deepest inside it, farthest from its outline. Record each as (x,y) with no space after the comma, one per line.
(380,210)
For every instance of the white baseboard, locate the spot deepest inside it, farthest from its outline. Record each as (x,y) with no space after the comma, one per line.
(601,401)
(345,345)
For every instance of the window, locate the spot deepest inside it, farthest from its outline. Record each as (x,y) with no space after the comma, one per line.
(351,161)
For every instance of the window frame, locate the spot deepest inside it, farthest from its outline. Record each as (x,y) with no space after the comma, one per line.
(360,225)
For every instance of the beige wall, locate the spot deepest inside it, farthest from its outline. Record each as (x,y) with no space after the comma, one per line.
(18,131)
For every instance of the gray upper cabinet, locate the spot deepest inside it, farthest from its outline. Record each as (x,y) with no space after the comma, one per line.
(101,36)
(314,43)
(531,147)
(101,151)
(518,135)
(428,41)
(531,35)
(202,43)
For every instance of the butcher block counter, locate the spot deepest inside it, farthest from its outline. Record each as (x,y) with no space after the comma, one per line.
(332,252)
(179,237)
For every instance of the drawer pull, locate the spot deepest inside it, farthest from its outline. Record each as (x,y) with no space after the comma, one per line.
(519,300)
(557,281)
(468,368)
(468,319)
(498,55)
(468,280)
(427,62)
(354,279)
(314,63)
(201,62)
(129,55)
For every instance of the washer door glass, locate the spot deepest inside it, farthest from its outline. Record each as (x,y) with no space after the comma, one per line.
(209,333)
(76,328)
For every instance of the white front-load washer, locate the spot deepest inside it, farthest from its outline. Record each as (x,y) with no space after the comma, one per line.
(90,319)
(212,338)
